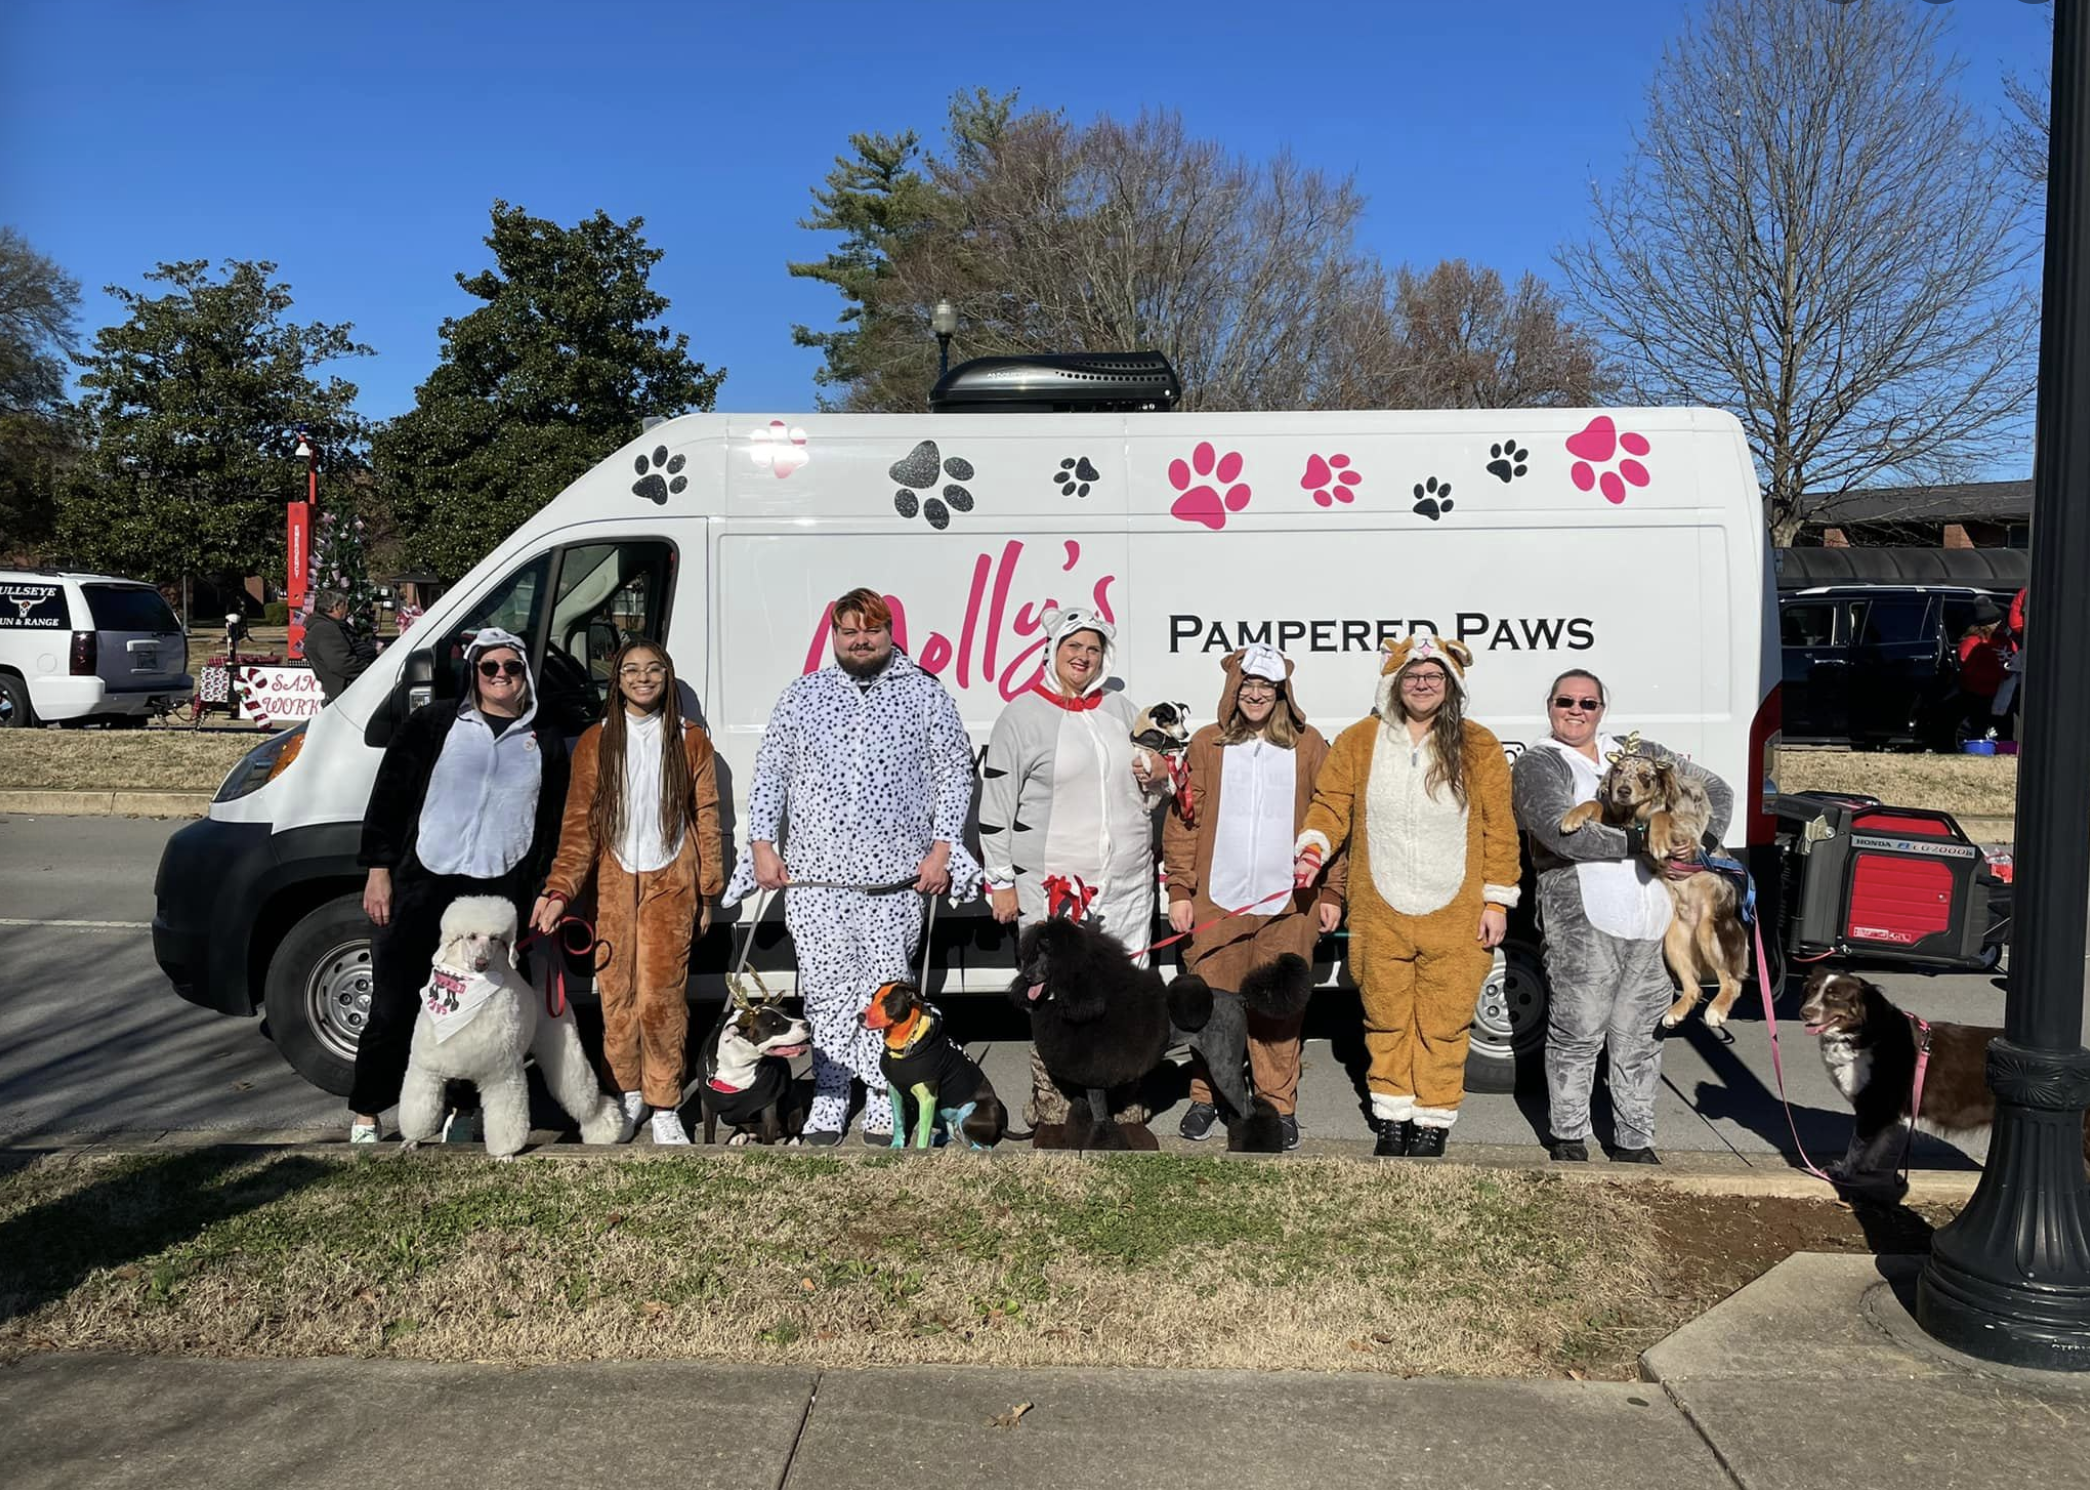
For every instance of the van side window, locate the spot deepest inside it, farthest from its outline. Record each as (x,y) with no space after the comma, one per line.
(1893,623)
(514,606)
(1805,625)
(607,594)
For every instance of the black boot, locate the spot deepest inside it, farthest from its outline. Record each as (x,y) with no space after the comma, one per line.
(1394,1138)
(1428,1143)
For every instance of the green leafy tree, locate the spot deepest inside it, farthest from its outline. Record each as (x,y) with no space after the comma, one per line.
(190,404)
(38,306)
(558,368)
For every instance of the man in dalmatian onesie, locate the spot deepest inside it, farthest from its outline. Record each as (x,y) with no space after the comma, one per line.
(870,760)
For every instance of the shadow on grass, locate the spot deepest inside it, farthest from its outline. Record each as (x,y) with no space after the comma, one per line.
(140,1208)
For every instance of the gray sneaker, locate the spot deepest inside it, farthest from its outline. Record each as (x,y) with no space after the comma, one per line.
(1197,1122)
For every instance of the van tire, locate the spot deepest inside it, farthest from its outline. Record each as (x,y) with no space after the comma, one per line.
(15,712)
(317,992)
(1509,1023)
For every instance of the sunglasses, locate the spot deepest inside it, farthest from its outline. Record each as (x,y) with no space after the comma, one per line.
(500,669)
(1589,705)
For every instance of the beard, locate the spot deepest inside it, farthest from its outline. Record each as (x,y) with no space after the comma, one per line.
(862,667)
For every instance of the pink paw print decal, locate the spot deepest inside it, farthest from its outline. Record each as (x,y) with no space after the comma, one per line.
(780,447)
(1330,479)
(1595,445)
(1202,502)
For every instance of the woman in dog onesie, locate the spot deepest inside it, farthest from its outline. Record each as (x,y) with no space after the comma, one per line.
(466,802)
(642,818)
(1065,798)
(1603,913)
(1421,797)
(1256,770)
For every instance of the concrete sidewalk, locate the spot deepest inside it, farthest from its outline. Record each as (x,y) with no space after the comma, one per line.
(1810,1377)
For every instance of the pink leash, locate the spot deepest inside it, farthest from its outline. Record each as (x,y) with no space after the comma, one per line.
(1908,1139)
(1770,1021)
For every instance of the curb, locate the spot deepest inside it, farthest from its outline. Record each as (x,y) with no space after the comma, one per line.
(30,803)
(1690,1174)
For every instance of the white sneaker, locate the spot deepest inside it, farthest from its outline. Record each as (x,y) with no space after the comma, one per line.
(667,1129)
(366,1132)
(635,1108)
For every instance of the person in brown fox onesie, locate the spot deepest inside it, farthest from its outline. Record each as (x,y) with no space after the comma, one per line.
(1421,796)
(1255,771)
(642,818)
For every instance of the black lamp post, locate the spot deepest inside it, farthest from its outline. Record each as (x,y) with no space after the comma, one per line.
(2009,1280)
(943,321)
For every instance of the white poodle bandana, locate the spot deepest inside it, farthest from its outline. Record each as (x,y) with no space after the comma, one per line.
(451,996)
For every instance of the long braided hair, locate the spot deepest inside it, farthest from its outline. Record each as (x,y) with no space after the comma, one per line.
(606,813)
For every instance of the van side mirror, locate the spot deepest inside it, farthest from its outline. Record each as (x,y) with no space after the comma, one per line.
(416,686)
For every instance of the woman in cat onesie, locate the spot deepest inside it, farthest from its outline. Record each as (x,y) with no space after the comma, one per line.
(1421,796)
(1067,809)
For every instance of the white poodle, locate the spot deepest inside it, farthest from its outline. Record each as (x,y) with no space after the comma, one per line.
(476,1023)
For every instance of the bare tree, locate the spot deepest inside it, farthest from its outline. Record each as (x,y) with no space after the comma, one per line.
(1812,233)
(1465,341)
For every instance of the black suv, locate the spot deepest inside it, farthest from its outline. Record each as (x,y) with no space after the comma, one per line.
(1876,665)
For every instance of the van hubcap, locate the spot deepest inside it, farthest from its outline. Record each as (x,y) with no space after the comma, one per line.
(337,997)
(1511,1012)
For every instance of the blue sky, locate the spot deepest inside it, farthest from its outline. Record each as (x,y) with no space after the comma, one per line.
(360,145)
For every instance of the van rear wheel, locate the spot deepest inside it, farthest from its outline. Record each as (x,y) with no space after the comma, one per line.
(317,994)
(1509,1022)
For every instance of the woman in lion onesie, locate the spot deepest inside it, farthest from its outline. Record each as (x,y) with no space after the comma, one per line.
(1255,771)
(1420,796)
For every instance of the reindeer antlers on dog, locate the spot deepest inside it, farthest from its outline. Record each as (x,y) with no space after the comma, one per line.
(1629,746)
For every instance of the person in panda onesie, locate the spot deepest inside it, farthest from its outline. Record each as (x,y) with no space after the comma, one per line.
(1603,913)
(869,764)
(1067,809)
(1420,795)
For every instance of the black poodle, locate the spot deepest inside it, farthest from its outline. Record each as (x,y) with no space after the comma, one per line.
(1101,1024)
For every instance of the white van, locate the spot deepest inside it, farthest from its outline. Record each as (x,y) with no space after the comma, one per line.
(78,647)
(1628,541)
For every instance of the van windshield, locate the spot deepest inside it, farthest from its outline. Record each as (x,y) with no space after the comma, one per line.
(128,608)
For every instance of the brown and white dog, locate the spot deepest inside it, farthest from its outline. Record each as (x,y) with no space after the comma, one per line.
(1705,934)
(1869,1047)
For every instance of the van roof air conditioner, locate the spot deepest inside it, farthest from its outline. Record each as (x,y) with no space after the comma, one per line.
(1059,383)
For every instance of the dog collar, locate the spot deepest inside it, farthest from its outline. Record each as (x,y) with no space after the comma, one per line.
(910,1032)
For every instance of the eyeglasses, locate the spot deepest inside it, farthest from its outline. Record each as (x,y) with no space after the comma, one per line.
(1424,681)
(1259,690)
(1587,705)
(632,672)
(500,669)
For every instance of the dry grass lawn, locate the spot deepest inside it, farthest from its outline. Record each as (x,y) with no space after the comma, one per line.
(1964,785)
(812,1259)
(153,759)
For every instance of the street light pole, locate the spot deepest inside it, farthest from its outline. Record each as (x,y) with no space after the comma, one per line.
(2009,1280)
(298,545)
(944,321)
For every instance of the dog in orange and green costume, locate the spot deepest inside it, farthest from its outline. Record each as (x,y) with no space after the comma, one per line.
(1421,797)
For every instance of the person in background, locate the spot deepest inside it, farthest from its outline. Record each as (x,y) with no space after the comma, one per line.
(337,653)
(1984,666)
(467,802)
(642,820)
(1256,769)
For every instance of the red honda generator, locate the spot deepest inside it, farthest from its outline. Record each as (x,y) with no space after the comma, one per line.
(1897,885)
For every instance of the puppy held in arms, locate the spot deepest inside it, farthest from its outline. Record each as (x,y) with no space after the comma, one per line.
(1870,1049)
(1705,935)
(1161,735)
(478,1020)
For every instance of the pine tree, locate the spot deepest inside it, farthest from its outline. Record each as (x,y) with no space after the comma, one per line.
(338,563)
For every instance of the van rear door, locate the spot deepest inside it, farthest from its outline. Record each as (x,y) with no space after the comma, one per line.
(139,644)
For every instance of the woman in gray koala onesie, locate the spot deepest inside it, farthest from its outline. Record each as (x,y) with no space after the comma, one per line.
(1603,911)
(1066,808)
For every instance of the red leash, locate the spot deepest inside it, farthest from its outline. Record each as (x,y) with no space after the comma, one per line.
(1169,941)
(555,985)
(1908,1139)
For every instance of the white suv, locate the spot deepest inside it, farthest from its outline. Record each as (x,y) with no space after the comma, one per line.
(86,646)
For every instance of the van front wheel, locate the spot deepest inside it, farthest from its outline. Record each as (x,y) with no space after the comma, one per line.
(1509,1022)
(317,995)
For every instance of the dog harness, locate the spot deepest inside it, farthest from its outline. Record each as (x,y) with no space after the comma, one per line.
(740,1106)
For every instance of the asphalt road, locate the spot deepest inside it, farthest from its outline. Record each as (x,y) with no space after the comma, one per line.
(94,1040)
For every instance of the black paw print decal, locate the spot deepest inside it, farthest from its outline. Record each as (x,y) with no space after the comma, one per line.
(1075,476)
(920,470)
(1433,498)
(651,484)
(1508,463)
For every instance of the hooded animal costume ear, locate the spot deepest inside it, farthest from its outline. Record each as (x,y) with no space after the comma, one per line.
(1416,647)
(1258,660)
